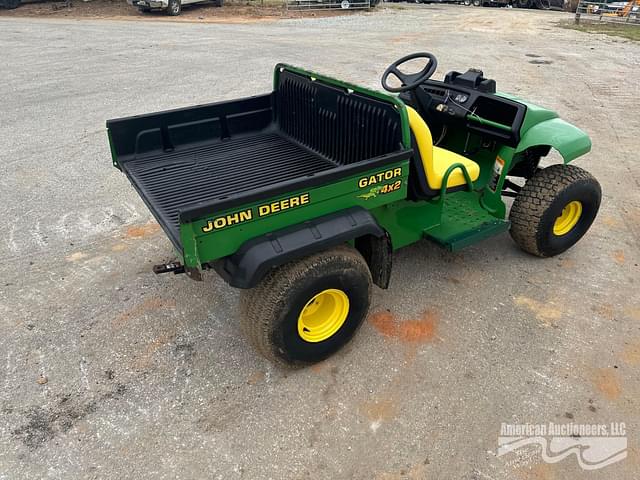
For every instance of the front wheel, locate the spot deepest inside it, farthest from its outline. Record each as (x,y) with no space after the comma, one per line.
(174,8)
(306,310)
(554,209)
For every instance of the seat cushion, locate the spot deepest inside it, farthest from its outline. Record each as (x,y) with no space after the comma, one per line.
(436,160)
(442,159)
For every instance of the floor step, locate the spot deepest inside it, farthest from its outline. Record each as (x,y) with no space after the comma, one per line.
(464,222)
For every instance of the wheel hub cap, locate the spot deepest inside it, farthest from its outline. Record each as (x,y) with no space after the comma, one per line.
(323,315)
(568,218)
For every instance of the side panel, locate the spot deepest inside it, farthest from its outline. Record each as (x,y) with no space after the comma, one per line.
(406,220)
(209,238)
(567,139)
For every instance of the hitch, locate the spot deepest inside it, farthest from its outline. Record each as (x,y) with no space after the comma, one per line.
(175,267)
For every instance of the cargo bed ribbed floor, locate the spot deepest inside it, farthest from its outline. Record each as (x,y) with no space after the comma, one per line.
(175,180)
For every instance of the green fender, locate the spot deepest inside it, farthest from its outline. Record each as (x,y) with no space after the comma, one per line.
(568,140)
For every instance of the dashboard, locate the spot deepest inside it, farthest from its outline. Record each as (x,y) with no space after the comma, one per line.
(468,99)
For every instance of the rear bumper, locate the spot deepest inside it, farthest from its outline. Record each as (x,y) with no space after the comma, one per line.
(148,3)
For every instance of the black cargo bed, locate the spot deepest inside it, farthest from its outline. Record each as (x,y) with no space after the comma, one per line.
(174,181)
(196,162)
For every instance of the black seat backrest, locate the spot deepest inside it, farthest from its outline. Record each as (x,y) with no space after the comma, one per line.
(342,125)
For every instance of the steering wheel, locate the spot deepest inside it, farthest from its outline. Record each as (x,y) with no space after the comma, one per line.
(409,81)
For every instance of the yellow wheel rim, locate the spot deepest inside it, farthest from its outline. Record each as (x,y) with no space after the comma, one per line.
(323,315)
(568,218)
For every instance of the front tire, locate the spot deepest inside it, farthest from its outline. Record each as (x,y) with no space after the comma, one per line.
(174,8)
(554,209)
(306,310)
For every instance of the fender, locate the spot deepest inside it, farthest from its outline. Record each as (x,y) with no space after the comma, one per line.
(568,140)
(246,267)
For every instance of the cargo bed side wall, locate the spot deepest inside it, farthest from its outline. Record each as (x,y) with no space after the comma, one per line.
(173,129)
(209,238)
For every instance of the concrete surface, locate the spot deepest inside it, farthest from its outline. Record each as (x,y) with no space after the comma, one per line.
(108,371)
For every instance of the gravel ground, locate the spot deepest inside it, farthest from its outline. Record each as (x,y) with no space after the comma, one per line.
(108,371)
(233,11)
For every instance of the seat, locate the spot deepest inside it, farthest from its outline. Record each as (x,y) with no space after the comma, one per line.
(436,160)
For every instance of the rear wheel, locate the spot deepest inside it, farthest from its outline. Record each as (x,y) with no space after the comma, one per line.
(477,3)
(174,8)
(554,209)
(306,310)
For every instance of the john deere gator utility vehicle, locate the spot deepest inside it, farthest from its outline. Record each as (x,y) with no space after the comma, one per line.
(300,196)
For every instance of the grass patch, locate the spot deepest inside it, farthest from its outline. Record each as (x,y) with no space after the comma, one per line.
(630,32)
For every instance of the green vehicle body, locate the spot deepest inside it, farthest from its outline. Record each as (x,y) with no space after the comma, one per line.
(406,221)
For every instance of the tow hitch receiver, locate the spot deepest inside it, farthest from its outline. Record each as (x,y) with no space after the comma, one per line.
(175,267)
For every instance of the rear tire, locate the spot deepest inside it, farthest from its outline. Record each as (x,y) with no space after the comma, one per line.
(272,314)
(174,8)
(554,209)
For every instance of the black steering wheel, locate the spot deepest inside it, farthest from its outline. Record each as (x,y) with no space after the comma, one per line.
(409,80)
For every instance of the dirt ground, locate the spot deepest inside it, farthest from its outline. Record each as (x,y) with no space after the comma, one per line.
(108,371)
(231,12)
